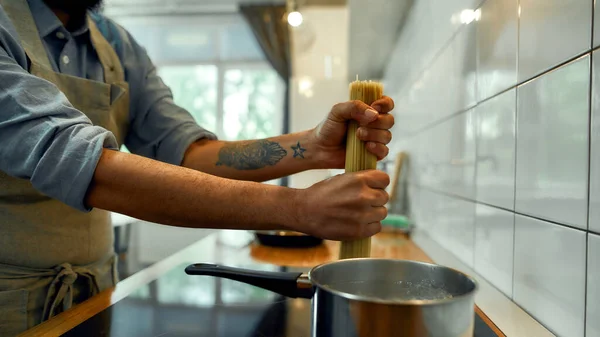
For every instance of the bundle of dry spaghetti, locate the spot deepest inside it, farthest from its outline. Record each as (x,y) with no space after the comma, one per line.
(358,158)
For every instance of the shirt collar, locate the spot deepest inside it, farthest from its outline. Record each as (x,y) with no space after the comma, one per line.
(47,22)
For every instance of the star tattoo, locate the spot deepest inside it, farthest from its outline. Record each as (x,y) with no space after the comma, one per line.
(298,150)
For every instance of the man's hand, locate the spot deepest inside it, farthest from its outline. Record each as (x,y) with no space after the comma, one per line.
(347,206)
(375,122)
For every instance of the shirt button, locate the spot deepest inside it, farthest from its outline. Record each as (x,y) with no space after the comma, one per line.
(65,59)
(60,35)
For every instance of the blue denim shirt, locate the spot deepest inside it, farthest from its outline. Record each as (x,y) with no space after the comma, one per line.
(37,122)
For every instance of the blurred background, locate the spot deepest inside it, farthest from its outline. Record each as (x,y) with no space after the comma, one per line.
(496,110)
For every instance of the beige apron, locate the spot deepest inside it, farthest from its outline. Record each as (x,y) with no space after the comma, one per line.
(52,255)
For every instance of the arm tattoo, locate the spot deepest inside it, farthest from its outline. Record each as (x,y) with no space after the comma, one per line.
(252,155)
(298,151)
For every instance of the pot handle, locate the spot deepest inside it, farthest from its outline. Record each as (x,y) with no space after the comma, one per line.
(286,284)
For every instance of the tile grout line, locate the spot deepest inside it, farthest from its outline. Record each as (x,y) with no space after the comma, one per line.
(475,118)
(475,121)
(515,129)
(477,202)
(589,182)
(585,282)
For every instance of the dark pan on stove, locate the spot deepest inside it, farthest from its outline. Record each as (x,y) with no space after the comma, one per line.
(287,239)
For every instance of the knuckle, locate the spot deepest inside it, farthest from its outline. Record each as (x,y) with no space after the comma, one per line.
(386,197)
(363,230)
(365,218)
(336,109)
(350,178)
(365,196)
(362,177)
(372,198)
(392,120)
(339,107)
(377,227)
(386,151)
(356,104)
(358,219)
(384,212)
(357,107)
(388,136)
(391,102)
(384,178)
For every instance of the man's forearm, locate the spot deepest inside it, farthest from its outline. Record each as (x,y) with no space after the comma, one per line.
(157,192)
(256,160)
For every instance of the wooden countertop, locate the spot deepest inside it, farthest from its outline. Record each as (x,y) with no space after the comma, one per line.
(216,248)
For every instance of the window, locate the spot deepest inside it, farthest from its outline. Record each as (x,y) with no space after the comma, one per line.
(215,70)
(252,103)
(246,102)
(195,89)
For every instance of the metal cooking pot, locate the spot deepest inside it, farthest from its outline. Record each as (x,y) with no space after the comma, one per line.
(372,297)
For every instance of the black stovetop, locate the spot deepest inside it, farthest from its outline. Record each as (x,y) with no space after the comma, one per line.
(178,305)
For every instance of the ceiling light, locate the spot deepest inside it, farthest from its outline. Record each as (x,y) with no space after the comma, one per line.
(295,19)
(469,15)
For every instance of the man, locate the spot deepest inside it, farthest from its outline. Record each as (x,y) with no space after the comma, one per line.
(74,86)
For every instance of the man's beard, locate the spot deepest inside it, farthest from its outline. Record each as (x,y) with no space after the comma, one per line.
(75,8)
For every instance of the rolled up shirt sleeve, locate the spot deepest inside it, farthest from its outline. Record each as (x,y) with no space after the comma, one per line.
(159,129)
(43,138)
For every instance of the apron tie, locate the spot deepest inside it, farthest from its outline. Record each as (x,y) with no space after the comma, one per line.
(61,288)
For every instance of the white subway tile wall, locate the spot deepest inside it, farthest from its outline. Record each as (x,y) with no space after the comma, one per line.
(493,108)
(552,32)
(593,285)
(458,227)
(496,150)
(494,235)
(464,60)
(459,172)
(552,145)
(497,40)
(596,25)
(549,274)
(594,222)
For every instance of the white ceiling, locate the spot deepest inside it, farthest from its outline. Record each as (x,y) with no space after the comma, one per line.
(374,24)
(374,29)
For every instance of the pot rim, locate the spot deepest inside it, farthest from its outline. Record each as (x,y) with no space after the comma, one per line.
(394,302)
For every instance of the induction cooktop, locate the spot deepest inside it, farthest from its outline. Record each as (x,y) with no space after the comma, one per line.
(178,305)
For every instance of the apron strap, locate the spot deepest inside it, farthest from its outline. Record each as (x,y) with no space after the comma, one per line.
(113,70)
(61,288)
(19,13)
(58,283)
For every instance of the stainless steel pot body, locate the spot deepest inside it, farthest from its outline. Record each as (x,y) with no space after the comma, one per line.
(373,297)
